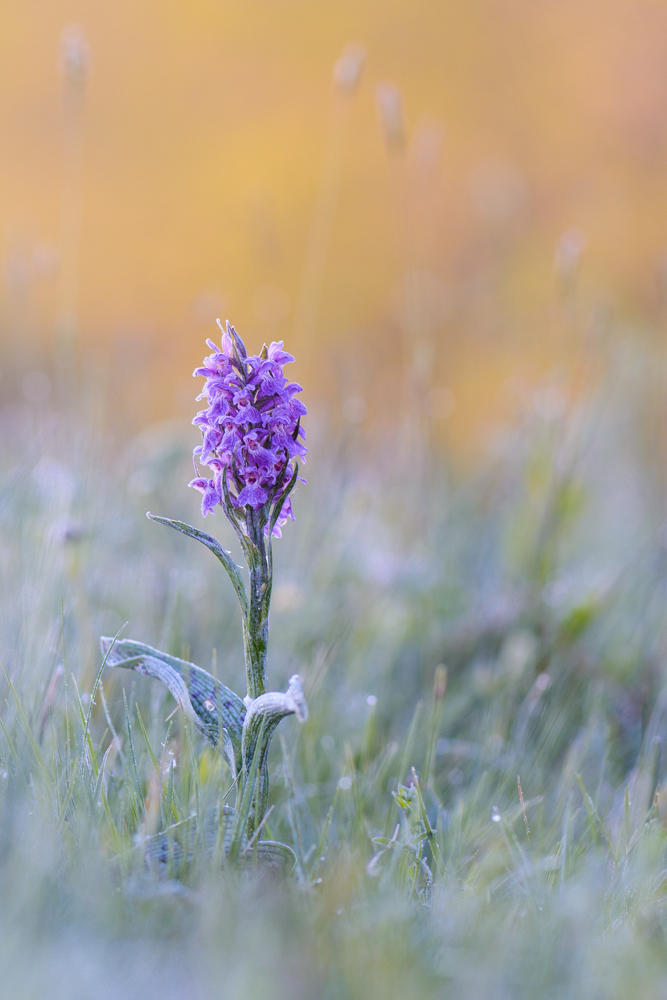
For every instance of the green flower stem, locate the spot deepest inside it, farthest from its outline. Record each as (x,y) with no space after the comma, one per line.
(256,632)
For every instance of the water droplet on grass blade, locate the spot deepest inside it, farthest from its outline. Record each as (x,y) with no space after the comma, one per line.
(495,814)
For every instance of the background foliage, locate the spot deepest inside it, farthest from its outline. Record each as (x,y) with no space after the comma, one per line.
(539,582)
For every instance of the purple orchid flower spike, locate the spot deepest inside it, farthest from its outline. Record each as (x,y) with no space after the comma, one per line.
(252,428)
(252,440)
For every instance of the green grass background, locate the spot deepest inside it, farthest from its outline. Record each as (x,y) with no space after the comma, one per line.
(537,579)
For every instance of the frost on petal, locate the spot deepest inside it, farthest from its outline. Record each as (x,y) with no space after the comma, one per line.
(211,497)
(274,385)
(247,415)
(297,408)
(277,354)
(254,496)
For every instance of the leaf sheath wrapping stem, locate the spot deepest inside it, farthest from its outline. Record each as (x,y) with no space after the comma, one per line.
(263,715)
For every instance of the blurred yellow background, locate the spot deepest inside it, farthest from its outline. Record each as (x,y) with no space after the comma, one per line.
(205,160)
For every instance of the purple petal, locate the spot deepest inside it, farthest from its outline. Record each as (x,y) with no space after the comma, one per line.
(253,496)
(211,497)
(277,354)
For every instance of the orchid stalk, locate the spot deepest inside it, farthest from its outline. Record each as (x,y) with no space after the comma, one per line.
(251,441)
(251,431)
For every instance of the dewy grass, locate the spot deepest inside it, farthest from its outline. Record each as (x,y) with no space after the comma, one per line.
(416,874)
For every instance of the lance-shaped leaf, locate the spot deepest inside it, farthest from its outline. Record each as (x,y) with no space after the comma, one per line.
(264,714)
(272,856)
(172,852)
(216,548)
(217,712)
(279,506)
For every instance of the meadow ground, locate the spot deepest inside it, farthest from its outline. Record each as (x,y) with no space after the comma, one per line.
(536,577)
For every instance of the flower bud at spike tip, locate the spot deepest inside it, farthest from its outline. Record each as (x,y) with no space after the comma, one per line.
(251,430)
